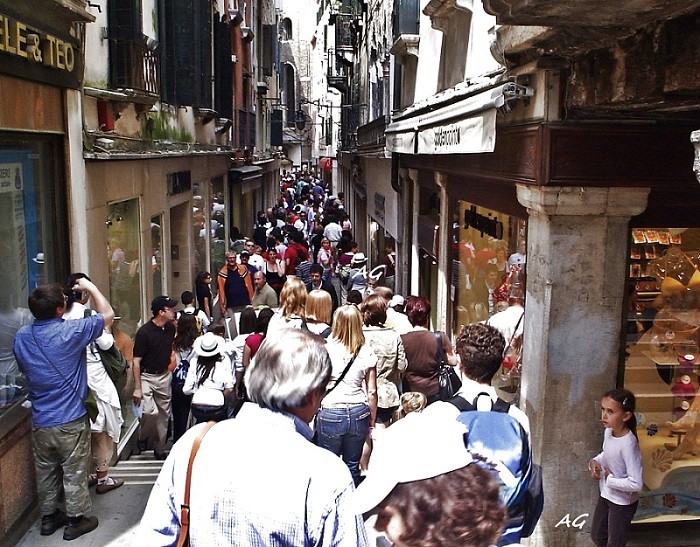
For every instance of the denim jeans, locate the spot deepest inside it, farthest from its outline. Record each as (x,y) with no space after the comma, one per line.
(343,431)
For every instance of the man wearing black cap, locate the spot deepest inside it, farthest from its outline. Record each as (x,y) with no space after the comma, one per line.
(153,346)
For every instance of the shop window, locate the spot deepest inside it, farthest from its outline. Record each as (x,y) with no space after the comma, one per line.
(123,229)
(157,254)
(33,242)
(488,277)
(218,225)
(662,366)
(199,216)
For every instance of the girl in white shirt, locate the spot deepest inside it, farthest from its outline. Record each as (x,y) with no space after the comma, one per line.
(209,379)
(618,470)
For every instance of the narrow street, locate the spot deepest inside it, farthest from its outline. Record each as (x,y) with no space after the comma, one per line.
(119,511)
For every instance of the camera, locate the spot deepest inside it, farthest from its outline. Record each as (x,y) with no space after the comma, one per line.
(78,295)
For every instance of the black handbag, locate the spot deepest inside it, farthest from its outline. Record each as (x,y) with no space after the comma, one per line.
(448,379)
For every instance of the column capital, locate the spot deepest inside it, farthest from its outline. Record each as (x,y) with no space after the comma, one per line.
(583,201)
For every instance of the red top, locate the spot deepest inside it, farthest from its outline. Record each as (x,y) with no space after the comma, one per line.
(253,342)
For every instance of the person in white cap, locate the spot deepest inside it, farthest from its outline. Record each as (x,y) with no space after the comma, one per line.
(357,279)
(426,489)
(395,317)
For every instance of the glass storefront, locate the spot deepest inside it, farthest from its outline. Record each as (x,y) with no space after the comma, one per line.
(488,278)
(124,248)
(662,366)
(34,241)
(218,216)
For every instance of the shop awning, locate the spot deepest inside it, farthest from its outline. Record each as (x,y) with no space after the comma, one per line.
(249,176)
(326,164)
(466,126)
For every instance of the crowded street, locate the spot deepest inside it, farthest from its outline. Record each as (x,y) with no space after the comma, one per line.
(350,273)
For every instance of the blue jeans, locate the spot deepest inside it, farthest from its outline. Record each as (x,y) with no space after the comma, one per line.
(343,431)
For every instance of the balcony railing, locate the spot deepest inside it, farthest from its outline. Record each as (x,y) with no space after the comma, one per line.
(133,66)
(371,135)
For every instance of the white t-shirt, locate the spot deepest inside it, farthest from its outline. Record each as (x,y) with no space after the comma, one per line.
(351,389)
(621,455)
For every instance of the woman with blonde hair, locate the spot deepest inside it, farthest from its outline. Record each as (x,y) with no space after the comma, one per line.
(290,314)
(349,408)
(319,309)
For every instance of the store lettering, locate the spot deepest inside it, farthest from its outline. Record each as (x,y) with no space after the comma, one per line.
(17,39)
(446,136)
(486,225)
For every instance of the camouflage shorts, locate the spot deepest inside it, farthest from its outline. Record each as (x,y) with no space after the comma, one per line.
(62,461)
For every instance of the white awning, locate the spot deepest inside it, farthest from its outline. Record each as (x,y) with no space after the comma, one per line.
(467,126)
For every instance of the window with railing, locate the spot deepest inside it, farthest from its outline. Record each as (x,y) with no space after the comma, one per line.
(133,64)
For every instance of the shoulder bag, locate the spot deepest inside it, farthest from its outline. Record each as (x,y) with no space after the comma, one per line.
(447,376)
(183,540)
(114,362)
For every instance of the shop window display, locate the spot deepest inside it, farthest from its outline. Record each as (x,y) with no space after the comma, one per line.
(488,278)
(33,243)
(125,269)
(662,367)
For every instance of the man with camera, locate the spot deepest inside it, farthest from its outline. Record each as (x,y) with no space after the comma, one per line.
(51,354)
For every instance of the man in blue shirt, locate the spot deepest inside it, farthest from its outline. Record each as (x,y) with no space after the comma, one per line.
(51,354)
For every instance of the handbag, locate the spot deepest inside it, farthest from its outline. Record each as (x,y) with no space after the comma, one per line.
(183,539)
(448,379)
(114,362)
(90,402)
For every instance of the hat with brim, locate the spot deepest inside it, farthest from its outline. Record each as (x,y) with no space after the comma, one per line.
(398,458)
(359,258)
(208,344)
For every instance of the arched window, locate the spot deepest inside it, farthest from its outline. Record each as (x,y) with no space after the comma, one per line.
(286,29)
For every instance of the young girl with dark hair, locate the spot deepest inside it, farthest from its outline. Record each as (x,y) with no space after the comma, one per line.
(202,287)
(209,379)
(187,333)
(618,470)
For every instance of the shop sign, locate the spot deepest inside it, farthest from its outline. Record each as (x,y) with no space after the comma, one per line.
(471,135)
(29,52)
(179,182)
(10,177)
(402,143)
(16,38)
(484,224)
(379,207)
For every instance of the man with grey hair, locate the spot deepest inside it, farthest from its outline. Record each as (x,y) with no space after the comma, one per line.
(257,479)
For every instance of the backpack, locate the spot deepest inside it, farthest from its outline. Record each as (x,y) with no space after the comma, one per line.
(114,363)
(344,272)
(180,372)
(509,450)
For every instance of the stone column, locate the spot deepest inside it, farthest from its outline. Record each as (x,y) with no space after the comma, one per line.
(576,271)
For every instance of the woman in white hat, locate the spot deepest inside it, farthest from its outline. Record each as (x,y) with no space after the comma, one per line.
(357,279)
(209,379)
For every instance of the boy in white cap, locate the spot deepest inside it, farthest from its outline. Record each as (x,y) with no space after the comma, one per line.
(426,488)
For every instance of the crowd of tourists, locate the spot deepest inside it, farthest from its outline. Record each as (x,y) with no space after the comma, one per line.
(332,420)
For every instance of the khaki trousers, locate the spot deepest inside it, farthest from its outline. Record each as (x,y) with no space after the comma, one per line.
(156,408)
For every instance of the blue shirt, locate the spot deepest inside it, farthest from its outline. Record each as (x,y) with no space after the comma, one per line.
(54,402)
(257,480)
